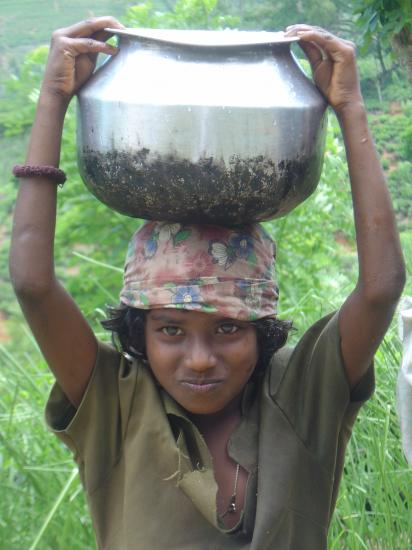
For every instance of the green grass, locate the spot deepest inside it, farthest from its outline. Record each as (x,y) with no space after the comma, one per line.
(37,474)
(373,509)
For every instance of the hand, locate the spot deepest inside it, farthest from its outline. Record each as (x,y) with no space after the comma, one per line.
(333,63)
(73,53)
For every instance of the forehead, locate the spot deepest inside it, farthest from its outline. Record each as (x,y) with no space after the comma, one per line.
(189,317)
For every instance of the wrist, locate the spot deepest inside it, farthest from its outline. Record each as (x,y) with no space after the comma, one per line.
(53,101)
(350,110)
(47,129)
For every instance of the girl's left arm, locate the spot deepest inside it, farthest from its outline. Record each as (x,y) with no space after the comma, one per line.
(367,312)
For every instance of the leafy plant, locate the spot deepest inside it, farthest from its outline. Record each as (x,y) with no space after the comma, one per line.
(186,14)
(388,19)
(22,91)
(407,142)
(399,181)
(388,23)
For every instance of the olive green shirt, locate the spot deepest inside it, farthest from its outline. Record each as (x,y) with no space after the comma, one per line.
(148,473)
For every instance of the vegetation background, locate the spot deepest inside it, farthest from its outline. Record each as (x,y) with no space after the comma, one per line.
(42,505)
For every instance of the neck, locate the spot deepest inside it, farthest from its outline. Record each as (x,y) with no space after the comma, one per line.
(229,416)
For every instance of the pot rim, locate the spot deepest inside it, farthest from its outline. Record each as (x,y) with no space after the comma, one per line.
(206,38)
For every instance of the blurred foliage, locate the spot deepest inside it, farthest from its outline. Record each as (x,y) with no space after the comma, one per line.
(271,15)
(399,181)
(187,14)
(245,14)
(407,142)
(390,127)
(22,90)
(387,24)
(24,24)
(392,130)
(385,18)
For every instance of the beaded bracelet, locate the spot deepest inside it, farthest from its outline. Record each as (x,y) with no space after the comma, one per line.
(48,172)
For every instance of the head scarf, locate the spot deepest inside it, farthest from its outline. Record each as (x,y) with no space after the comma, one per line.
(205,268)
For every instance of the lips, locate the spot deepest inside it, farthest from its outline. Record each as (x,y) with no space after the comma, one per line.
(201,386)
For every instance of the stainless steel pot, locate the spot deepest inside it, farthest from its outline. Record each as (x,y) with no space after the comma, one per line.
(201,126)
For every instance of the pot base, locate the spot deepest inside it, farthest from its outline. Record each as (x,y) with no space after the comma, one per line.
(173,189)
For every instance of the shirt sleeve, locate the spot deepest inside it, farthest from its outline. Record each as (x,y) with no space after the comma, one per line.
(97,428)
(313,391)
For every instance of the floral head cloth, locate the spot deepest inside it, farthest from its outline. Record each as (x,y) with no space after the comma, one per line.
(207,268)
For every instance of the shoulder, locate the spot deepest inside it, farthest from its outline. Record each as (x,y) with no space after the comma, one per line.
(316,364)
(112,382)
(320,336)
(306,390)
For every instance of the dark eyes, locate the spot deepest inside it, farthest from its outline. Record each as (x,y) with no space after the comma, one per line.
(228,328)
(224,328)
(172,331)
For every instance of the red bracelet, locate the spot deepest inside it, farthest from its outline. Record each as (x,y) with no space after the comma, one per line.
(48,172)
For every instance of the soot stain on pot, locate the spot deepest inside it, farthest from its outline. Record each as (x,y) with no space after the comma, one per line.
(174,189)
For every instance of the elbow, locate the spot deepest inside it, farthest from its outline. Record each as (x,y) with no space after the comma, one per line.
(29,288)
(29,285)
(31,271)
(385,291)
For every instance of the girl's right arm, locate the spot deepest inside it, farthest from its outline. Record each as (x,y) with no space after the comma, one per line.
(63,334)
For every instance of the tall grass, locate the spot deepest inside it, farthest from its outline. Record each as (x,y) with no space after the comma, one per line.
(42,505)
(374,508)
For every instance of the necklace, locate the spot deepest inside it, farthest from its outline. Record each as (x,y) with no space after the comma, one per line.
(231,507)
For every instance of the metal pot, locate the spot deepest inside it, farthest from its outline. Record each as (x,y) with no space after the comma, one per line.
(201,126)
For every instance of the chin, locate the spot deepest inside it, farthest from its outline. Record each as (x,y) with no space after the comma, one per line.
(201,410)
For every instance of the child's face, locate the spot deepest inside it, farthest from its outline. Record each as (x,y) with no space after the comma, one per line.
(202,360)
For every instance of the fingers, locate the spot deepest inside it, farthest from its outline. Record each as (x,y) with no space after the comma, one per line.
(86,37)
(330,45)
(77,46)
(102,36)
(90,27)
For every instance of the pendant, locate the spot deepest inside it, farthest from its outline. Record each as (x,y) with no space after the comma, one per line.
(232,505)
(231,508)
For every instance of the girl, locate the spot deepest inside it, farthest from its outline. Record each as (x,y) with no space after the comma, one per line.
(199,433)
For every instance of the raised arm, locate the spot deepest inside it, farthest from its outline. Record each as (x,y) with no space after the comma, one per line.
(367,312)
(64,336)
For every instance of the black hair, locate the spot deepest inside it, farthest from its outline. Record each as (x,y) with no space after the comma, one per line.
(127,325)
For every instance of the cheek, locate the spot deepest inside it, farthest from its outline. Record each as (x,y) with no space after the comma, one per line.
(149,345)
(155,355)
(154,347)
(247,353)
(163,359)
(254,352)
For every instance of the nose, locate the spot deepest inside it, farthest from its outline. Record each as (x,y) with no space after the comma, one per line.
(200,355)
